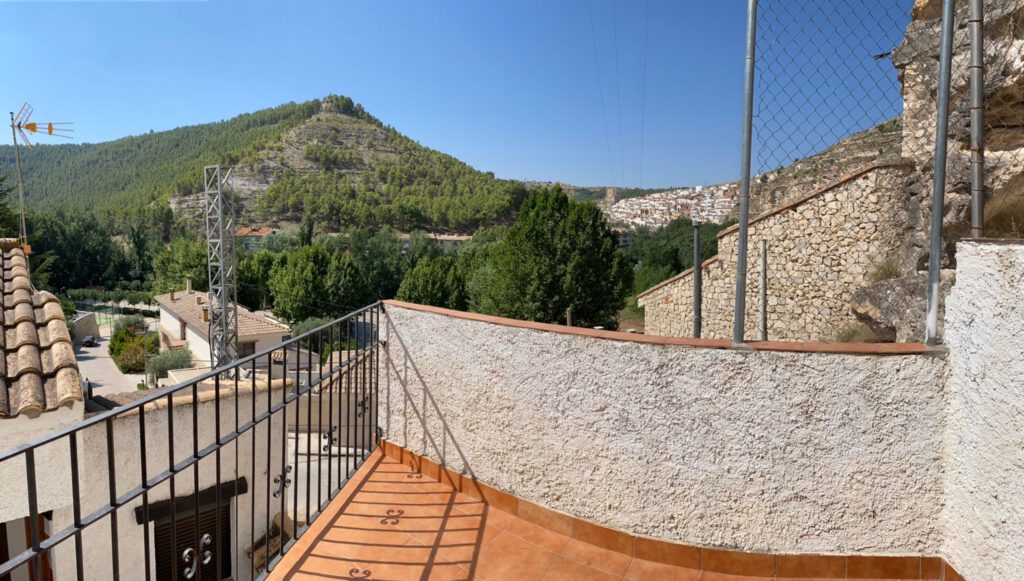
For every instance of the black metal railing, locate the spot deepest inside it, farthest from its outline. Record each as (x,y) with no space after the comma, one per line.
(222,473)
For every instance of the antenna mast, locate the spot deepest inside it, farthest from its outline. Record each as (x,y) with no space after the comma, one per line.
(220,245)
(21,123)
(23,236)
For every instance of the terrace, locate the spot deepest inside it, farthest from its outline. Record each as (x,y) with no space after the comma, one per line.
(451,445)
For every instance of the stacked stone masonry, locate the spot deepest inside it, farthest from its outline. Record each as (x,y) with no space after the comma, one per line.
(820,249)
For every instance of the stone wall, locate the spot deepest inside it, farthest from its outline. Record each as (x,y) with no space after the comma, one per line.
(821,249)
(755,450)
(984,512)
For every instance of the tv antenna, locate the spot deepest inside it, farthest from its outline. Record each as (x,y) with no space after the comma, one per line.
(22,124)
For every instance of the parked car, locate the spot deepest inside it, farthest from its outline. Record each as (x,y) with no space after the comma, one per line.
(90,341)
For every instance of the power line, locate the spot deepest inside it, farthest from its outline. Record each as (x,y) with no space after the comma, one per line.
(618,92)
(600,87)
(643,89)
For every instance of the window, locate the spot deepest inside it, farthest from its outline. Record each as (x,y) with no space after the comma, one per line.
(181,330)
(15,537)
(179,562)
(246,348)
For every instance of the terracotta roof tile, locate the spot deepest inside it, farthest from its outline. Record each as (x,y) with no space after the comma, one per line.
(189,308)
(38,372)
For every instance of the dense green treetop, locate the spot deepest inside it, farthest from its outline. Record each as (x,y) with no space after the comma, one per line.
(559,254)
(665,252)
(435,281)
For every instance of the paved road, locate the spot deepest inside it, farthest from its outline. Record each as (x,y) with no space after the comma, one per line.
(95,364)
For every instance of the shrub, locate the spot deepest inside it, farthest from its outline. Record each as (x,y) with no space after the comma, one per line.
(886,269)
(134,323)
(133,358)
(858,333)
(158,365)
(120,341)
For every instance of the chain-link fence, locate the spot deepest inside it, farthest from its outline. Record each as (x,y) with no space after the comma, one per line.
(842,241)
(827,93)
(1003,96)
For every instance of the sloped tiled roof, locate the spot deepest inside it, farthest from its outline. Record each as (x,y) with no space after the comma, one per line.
(38,372)
(253,232)
(189,308)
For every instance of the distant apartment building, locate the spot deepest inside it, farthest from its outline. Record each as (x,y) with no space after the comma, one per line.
(252,237)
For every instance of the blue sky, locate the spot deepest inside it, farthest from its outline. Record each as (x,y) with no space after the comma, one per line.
(529,89)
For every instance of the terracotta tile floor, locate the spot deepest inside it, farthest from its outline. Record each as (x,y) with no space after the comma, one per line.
(390,523)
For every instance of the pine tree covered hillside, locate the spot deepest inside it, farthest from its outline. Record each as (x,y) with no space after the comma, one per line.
(327,159)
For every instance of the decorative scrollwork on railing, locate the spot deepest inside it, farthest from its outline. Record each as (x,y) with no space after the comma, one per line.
(392,516)
(357,573)
(189,556)
(414,475)
(331,437)
(281,482)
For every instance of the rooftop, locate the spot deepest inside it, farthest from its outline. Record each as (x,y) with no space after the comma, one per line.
(189,306)
(39,372)
(253,231)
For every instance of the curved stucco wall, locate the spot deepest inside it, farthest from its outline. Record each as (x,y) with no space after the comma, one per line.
(762,451)
(985,428)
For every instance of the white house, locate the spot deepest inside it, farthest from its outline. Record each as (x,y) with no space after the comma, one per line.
(185,322)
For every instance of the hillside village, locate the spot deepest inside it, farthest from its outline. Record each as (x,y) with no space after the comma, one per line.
(714,204)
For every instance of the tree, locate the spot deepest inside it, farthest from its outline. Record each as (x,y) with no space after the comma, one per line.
(182,259)
(558,254)
(476,259)
(380,259)
(254,278)
(313,282)
(435,281)
(8,216)
(72,251)
(660,254)
(421,246)
(346,287)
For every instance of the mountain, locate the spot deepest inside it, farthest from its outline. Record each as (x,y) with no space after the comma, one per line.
(326,158)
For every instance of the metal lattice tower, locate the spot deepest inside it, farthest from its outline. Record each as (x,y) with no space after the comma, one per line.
(220,245)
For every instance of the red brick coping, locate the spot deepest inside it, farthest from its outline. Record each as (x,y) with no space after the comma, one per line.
(782,346)
(707,559)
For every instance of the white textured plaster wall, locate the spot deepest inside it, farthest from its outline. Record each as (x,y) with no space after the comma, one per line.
(54,478)
(984,513)
(13,476)
(761,451)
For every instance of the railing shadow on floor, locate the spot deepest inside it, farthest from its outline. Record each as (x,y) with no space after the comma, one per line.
(396,521)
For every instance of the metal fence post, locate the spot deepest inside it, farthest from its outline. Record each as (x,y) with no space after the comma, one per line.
(939,181)
(698,280)
(762,321)
(748,120)
(977,80)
